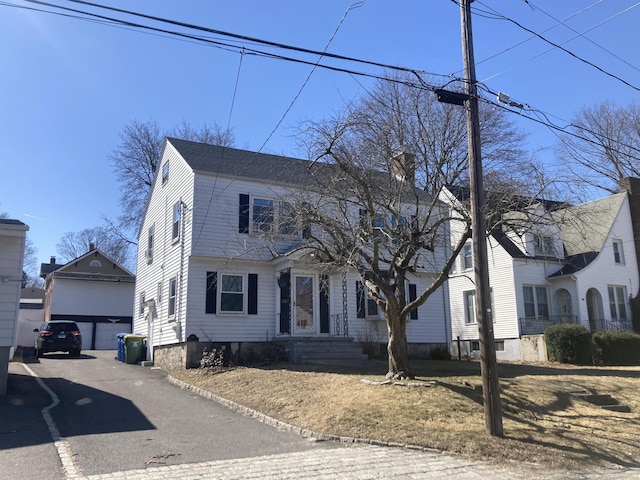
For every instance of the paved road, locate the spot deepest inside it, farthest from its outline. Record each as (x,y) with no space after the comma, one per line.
(96,418)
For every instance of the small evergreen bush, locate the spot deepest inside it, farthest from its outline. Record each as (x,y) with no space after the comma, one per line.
(618,348)
(568,343)
(440,353)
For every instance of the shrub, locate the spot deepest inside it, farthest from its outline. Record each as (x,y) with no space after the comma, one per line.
(213,359)
(618,348)
(568,343)
(440,353)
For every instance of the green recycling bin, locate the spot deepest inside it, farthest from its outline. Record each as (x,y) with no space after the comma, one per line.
(134,348)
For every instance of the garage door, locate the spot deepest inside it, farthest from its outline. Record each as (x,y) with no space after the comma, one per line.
(86,330)
(107,334)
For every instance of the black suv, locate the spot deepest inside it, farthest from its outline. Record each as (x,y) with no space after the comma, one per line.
(58,336)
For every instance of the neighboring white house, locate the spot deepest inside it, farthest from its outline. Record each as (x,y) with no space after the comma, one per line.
(575,264)
(204,269)
(30,316)
(12,241)
(95,292)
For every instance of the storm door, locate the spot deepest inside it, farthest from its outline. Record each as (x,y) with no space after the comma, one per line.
(304,311)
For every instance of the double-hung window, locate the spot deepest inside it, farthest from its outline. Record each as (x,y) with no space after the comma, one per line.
(536,303)
(543,245)
(618,303)
(470,306)
(467,256)
(618,253)
(173,290)
(262,215)
(231,293)
(286,219)
(165,172)
(150,239)
(175,228)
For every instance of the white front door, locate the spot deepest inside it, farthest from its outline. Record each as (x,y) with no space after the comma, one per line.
(304,321)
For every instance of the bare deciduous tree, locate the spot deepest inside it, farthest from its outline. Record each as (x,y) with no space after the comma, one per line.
(376,207)
(136,159)
(75,244)
(603,147)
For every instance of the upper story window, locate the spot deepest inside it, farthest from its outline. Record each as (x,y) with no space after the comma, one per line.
(543,246)
(165,172)
(262,215)
(95,263)
(175,230)
(618,253)
(286,219)
(467,256)
(536,303)
(150,240)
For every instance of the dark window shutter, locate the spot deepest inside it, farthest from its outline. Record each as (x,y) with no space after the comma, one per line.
(212,292)
(413,294)
(252,303)
(361,298)
(243,217)
(324,304)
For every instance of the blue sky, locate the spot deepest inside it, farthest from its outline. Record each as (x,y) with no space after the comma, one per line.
(69,86)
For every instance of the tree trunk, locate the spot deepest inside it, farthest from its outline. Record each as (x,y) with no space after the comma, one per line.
(397,348)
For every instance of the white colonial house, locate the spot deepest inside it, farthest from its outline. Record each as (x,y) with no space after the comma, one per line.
(206,274)
(12,241)
(576,264)
(94,291)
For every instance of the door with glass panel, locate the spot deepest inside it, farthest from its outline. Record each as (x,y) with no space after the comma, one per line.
(304,309)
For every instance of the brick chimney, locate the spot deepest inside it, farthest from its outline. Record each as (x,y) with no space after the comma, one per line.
(53,260)
(404,165)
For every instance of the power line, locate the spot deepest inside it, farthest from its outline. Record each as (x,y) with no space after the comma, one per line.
(421,85)
(592,28)
(557,128)
(560,47)
(533,36)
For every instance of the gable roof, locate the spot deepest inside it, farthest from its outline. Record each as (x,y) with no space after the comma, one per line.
(214,159)
(585,227)
(264,167)
(69,269)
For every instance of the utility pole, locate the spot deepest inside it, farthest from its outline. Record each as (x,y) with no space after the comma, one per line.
(490,381)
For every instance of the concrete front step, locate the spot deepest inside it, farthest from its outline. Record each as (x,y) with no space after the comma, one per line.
(314,350)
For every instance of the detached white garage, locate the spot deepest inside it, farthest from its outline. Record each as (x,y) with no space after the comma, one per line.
(95,292)
(98,334)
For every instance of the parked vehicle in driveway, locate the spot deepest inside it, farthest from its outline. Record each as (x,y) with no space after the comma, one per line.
(58,336)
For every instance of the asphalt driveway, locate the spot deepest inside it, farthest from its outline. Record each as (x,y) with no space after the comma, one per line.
(112,416)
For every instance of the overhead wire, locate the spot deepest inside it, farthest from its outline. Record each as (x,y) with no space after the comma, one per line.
(528,39)
(313,69)
(560,47)
(423,85)
(581,34)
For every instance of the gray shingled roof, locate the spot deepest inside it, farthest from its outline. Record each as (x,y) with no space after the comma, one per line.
(214,159)
(585,227)
(10,221)
(277,169)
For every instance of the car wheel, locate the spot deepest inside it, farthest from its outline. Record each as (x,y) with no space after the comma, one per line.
(75,352)
(38,353)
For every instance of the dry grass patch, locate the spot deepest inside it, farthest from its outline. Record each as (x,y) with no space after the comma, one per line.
(547,418)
